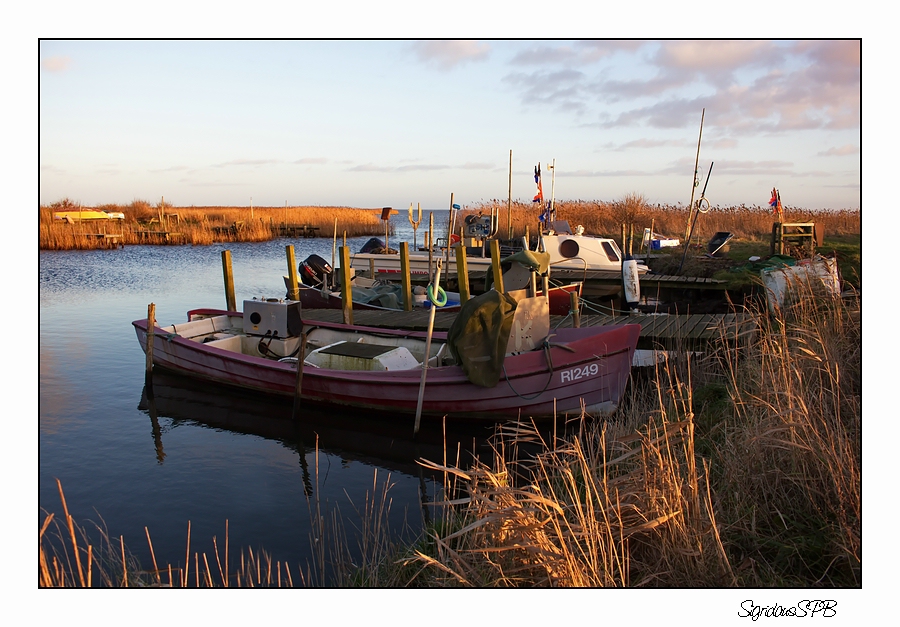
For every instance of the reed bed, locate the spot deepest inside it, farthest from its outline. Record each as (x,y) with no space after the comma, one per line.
(605,218)
(166,224)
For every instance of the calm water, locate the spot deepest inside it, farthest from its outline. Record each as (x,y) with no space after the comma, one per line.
(207,455)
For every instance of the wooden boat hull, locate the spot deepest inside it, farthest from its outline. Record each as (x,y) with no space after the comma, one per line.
(583,368)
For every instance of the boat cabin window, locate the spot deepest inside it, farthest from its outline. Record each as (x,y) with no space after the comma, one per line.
(561,226)
(612,251)
(568,248)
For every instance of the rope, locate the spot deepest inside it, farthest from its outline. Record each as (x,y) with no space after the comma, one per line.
(546,345)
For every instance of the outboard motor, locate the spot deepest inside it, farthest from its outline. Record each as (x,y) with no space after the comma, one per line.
(314,271)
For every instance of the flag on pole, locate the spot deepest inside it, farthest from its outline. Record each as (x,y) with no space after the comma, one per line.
(539,197)
(775,203)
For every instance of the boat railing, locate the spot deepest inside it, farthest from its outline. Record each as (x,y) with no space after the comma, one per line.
(581,259)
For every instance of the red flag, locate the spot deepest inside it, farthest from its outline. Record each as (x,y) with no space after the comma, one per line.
(775,203)
(539,197)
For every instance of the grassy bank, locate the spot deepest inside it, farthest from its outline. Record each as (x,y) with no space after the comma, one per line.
(738,468)
(164,224)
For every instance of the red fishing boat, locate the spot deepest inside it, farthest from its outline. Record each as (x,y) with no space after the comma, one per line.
(479,370)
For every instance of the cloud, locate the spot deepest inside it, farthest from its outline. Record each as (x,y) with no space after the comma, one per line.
(647,143)
(563,89)
(421,167)
(246,162)
(448,54)
(840,151)
(748,87)
(579,52)
(312,160)
(56,64)
(52,169)
(174,168)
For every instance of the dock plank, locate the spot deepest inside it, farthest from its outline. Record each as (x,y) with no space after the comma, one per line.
(697,327)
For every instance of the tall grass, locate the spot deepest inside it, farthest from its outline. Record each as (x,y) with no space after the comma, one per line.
(739,468)
(200,225)
(605,218)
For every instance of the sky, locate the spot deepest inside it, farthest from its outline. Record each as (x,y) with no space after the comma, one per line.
(373,123)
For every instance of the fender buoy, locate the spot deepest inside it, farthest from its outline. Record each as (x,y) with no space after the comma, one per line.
(631,283)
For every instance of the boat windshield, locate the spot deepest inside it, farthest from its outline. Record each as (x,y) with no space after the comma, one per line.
(612,251)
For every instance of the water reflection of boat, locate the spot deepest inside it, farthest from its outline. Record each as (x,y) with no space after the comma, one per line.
(380,443)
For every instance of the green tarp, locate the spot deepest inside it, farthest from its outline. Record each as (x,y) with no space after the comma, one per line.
(479,336)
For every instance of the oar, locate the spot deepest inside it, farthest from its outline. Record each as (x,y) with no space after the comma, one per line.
(434,287)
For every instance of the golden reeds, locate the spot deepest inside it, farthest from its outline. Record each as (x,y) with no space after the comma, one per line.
(605,218)
(144,224)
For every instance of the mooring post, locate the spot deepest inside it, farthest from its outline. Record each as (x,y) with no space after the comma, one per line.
(462,273)
(495,266)
(573,309)
(405,278)
(294,289)
(229,281)
(346,290)
(298,384)
(151,324)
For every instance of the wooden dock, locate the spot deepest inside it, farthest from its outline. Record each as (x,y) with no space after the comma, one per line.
(656,329)
(296,230)
(158,236)
(597,284)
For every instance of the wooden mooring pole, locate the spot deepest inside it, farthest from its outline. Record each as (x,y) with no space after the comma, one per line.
(346,290)
(462,273)
(151,324)
(574,310)
(495,265)
(229,281)
(298,384)
(405,279)
(294,290)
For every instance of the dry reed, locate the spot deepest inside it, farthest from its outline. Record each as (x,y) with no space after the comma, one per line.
(741,468)
(606,218)
(165,224)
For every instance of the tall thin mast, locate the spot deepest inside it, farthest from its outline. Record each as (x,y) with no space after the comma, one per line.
(553,191)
